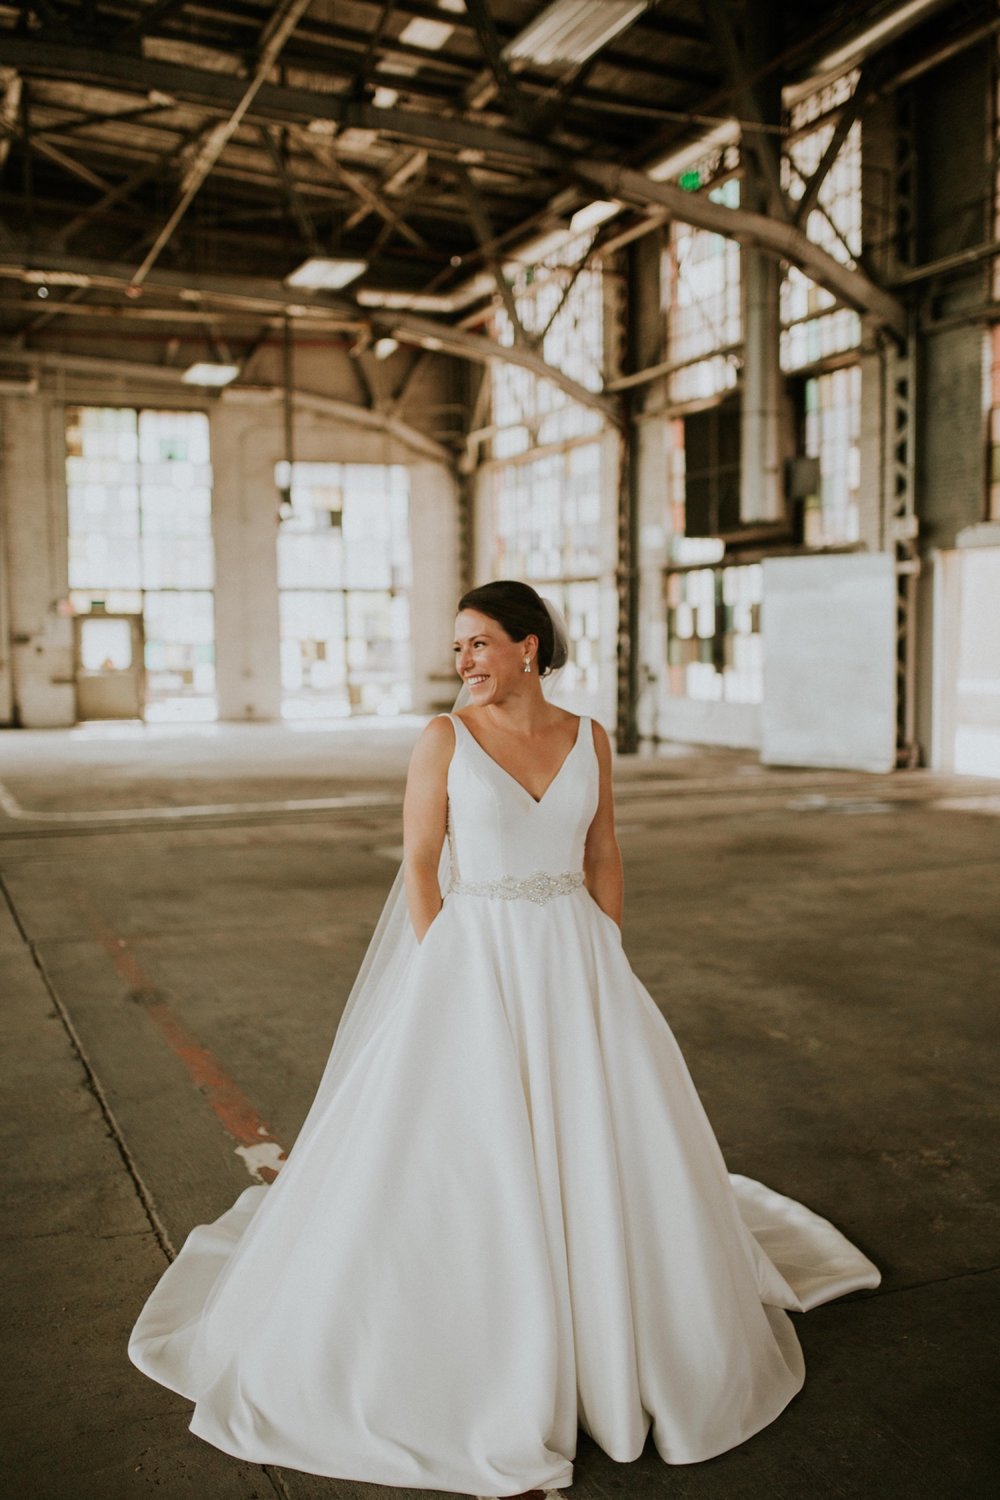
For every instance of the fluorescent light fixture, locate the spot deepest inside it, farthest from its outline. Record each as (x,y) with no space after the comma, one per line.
(325,272)
(430,35)
(56,278)
(593,214)
(207,372)
(382,348)
(410,301)
(570,31)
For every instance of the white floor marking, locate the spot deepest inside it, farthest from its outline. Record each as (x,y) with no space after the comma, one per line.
(13,809)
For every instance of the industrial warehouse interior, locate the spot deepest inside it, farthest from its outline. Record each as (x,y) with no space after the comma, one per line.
(316,315)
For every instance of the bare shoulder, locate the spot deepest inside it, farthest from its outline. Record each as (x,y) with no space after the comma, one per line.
(439,730)
(435,745)
(602,742)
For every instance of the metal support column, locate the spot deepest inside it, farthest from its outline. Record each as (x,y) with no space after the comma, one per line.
(640,337)
(626,579)
(900,404)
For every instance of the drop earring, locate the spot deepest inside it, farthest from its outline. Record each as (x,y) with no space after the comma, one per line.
(527,663)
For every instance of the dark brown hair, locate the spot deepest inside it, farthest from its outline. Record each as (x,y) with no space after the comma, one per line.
(520,611)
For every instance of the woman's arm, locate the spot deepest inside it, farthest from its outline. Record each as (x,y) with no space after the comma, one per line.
(604,876)
(425,813)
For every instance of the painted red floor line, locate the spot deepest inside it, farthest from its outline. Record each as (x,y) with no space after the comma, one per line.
(255,1141)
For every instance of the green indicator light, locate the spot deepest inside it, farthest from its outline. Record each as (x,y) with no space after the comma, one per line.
(690,181)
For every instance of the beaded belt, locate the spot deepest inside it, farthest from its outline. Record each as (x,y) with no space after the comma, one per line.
(539,887)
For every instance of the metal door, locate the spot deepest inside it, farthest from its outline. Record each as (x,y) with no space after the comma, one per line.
(108,666)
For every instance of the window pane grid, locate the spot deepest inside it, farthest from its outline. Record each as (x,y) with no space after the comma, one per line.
(344,576)
(714,643)
(813,327)
(529,411)
(833,435)
(139,496)
(701,277)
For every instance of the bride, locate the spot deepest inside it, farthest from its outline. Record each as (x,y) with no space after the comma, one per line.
(506,1215)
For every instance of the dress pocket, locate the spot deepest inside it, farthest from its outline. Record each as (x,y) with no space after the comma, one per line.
(609,921)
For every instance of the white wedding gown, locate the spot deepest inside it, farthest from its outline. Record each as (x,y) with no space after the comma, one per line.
(510,1216)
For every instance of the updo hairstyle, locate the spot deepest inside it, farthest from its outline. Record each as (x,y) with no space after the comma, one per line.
(519,611)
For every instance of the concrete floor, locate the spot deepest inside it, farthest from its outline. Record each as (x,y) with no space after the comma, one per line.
(184,914)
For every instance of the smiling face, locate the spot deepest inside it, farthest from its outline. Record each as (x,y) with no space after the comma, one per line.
(488,660)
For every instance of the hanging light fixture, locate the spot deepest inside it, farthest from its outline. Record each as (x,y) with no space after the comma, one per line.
(210,372)
(326,272)
(570,31)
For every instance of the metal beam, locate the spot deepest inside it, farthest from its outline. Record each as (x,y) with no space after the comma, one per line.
(138,373)
(161,10)
(850,112)
(778,238)
(297,207)
(222,92)
(81,122)
(114,195)
(373,200)
(69,164)
(216,90)
(10,109)
(483,230)
(275,35)
(748,107)
(249,293)
(492,50)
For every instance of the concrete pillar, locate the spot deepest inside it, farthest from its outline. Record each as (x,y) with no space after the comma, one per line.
(761,480)
(246,444)
(436,585)
(35,546)
(761,451)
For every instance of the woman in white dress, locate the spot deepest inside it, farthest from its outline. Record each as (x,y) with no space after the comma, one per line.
(506,1215)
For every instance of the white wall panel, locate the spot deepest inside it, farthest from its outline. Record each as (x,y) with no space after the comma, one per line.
(830,662)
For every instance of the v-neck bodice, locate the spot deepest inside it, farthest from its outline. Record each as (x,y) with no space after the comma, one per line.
(496,827)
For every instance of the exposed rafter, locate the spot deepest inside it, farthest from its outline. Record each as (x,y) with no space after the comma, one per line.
(276,33)
(774,235)
(10,109)
(487,243)
(216,92)
(223,94)
(252,295)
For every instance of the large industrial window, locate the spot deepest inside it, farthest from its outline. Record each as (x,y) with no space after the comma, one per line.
(713,633)
(563,304)
(832,433)
(712,470)
(344,579)
(546,530)
(139,491)
(546,505)
(813,326)
(701,277)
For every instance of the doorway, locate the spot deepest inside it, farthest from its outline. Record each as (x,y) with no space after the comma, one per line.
(109,670)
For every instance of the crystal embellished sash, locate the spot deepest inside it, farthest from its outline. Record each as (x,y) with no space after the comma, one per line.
(539,887)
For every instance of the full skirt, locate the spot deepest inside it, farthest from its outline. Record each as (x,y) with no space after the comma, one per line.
(511,1219)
